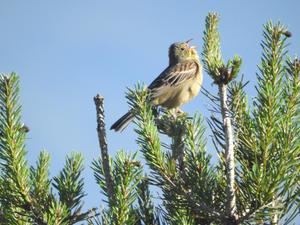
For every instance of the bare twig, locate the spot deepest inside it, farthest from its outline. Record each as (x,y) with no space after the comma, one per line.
(229,152)
(275,217)
(103,146)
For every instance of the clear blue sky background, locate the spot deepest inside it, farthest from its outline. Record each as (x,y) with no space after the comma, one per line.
(68,51)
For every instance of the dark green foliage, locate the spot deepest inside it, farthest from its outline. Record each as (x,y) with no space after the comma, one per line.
(265,140)
(15,192)
(40,188)
(171,166)
(69,185)
(212,57)
(25,192)
(266,143)
(145,205)
(268,140)
(127,174)
(255,180)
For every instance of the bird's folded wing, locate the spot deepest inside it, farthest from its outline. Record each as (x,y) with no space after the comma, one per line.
(176,75)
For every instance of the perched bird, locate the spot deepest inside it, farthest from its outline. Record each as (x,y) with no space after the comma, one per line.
(176,85)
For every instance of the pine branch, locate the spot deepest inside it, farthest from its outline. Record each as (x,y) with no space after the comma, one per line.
(15,195)
(103,146)
(69,184)
(266,143)
(200,175)
(222,75)
(163,165)
(57,214)
(291,130)
(127,173)
(163,169)
(229,151)
(25,193)
(273,147)
(39,176)
(15,171)
(146,207)
(212,57)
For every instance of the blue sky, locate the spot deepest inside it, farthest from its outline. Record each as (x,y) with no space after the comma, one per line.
(68,51)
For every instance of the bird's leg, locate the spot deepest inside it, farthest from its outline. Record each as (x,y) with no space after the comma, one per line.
(175,112)
(179,111)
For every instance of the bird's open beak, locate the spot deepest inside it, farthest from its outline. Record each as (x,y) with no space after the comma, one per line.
(193,46)
(189,40)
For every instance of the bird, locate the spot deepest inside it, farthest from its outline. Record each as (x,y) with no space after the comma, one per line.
(176,85)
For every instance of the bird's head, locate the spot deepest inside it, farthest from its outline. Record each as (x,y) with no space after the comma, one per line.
(181,51)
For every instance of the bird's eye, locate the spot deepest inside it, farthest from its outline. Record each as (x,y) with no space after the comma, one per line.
(182,49)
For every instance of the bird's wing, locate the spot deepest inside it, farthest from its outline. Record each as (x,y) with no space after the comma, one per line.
(175,75)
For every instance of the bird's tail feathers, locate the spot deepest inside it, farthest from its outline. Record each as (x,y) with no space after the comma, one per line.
(123,122)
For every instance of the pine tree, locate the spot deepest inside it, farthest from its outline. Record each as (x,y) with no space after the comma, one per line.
(256,180)
(27,194)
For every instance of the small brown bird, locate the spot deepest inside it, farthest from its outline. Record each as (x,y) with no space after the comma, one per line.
(176,85)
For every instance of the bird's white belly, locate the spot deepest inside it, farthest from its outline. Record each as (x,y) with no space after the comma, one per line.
(188,92)
(176,96)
